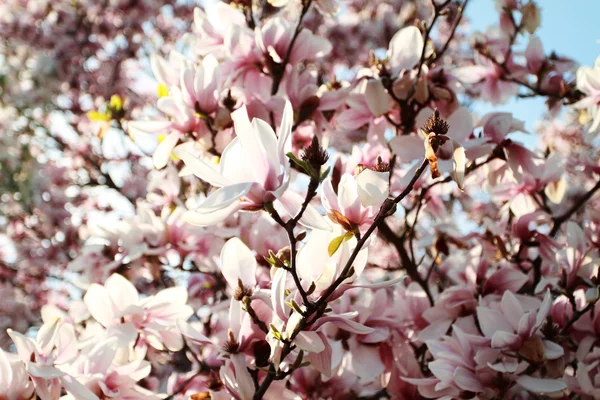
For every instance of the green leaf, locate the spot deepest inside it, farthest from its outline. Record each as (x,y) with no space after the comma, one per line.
(324,174)
(302,164)
(335,244)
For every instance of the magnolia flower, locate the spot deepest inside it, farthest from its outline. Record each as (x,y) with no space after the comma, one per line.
(588,81)
(325,254)
(55,345)
(514,327)
(253,171)
(443,146)
(275,37)
(100,372)
(14,381)
(487,77)
(357,200)
(117,305)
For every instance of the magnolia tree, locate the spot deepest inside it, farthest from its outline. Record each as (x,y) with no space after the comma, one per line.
(294,199)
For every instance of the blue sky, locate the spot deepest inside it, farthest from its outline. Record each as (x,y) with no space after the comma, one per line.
(570,28)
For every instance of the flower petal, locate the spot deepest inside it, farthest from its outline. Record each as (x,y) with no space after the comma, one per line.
(372,187)
(405,49)
(292,202)
(201,169)
(541,386)
(219,205)
(238,262)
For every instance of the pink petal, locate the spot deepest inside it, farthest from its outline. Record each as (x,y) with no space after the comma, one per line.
(408,147)
(321,361)
(492,321)
(504,279)
(366,362)
(460,124)
(309,341)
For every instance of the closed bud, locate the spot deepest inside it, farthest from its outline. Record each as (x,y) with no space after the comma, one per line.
(531,18)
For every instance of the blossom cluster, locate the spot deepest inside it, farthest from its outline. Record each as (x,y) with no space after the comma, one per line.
(289,214)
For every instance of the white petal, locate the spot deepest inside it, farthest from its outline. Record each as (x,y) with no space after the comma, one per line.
(188,331)
(163,150)
(201,169)
(378,100)
(539,385)
(238,261)
(459,164)
(373,187)
(244,380)
(309,341)
(76,389)
(218,206)
(284,141)
(121,291)
(292,202)
(405,49)
(99,304)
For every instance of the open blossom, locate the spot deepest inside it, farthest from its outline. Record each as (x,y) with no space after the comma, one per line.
(450,150)
(355,203)
(253,171)
(14,382)
(487,78)
(54,346)
(117,306)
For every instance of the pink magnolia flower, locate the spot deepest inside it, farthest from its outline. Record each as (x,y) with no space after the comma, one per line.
(487,77)
(54,346)
(588,81)
(451,155)
(357,198)
(275,37)
(14,381)
(236,378)
(100,371)
(512,325)
(117,306)
(254,170)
